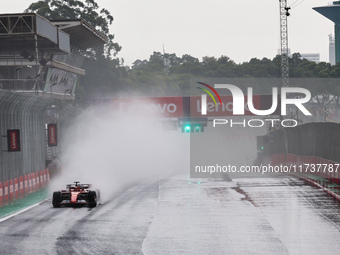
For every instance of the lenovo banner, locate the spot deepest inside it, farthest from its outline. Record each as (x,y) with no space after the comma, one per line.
(260,102)
(52,135)
(13,140)
(163,107)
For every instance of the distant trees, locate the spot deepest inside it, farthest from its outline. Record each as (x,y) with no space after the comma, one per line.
(169,74)
(152,75)
(73,9)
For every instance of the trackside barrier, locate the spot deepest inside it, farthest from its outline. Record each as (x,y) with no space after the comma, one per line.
(34,185)
(302,161)
(11,190)
(26,184)
(30,183)
(37,180)
(42,183)
(16,188)
(1,194)
(47,176)
(21,186)
(6,191)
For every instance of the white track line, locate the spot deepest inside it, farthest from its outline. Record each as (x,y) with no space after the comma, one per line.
(21,211)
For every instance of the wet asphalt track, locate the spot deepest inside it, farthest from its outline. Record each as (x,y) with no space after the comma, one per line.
(268,215)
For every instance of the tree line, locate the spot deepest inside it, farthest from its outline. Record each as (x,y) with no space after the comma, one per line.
(169,74)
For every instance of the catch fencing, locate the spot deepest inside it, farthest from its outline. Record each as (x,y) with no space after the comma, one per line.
(313,139)
(24,138)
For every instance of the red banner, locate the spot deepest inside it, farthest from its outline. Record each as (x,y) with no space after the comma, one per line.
(52,135)
(13,140)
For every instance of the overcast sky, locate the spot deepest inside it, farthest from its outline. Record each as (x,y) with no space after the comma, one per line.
(238,29)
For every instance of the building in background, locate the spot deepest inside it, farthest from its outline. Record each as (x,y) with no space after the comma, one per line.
(44,57)
(315,57)
(332,12)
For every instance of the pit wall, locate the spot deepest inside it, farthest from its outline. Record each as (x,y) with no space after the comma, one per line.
(310,167)
(18,188)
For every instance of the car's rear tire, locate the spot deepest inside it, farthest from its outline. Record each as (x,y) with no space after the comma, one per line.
(56,200)
(92,196)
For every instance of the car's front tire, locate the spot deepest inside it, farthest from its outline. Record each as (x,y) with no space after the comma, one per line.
(92,196)
(56,200)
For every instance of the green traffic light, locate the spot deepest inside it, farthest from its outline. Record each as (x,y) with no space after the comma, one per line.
(262,147)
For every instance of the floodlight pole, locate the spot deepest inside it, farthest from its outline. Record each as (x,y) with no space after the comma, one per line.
(284,13)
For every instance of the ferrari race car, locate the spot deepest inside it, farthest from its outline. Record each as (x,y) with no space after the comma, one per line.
(76,194)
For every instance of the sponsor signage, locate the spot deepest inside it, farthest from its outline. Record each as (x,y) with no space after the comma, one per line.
(187,107)
(13,140)
(167,107)
(52,135)
(226,108)
(191,107)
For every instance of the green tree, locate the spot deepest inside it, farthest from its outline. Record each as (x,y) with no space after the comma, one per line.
(74,9)
(103,70)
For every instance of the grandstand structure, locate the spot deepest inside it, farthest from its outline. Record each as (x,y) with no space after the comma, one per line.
(44,57)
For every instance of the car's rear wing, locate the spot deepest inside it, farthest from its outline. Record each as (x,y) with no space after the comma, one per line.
(84,186)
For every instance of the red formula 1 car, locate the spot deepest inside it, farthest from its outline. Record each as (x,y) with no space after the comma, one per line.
(76,194)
